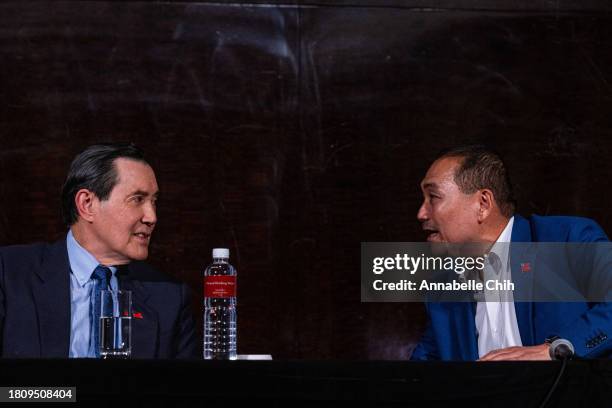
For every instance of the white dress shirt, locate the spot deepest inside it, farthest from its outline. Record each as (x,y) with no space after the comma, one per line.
(496,322)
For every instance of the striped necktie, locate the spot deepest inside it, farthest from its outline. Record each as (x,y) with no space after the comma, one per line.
(101,275)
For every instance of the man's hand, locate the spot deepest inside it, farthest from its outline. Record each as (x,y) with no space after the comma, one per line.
(539,352)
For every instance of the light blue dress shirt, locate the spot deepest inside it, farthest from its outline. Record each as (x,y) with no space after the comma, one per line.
(82,265)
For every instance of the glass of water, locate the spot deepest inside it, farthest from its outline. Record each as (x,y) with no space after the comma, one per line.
(115,324)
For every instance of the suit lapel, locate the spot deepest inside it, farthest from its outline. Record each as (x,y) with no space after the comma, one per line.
(145,327)
(465,318)
(522,262)
(51,291)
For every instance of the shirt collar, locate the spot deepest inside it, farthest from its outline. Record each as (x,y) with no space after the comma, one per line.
(506,234)
(500,247)
(82,263)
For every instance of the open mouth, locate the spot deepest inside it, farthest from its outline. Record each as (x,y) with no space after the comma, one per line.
(143,236)
(433,235)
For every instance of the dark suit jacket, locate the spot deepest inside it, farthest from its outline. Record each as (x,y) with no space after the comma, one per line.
(35,306)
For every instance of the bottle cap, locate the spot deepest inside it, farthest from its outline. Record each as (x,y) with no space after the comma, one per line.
(220,253)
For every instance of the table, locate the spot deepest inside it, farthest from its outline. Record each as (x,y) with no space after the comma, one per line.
(318,383)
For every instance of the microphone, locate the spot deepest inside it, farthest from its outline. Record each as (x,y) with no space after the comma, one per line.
(561,349)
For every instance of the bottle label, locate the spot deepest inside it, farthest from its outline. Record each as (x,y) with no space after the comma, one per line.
(220,286)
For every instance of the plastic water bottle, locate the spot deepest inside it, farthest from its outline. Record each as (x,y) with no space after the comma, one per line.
(220,308)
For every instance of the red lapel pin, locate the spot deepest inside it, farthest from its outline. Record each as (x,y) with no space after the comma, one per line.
(526,267)
(137,315)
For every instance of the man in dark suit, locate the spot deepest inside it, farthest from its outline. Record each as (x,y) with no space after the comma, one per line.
(468,198)
(48,291)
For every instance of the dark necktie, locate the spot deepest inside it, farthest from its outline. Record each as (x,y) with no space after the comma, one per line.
(101,275)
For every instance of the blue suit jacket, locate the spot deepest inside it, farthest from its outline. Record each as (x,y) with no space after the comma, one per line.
(35,306)
(451,332)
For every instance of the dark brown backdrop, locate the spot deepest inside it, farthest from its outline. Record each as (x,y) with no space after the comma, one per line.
(293,133)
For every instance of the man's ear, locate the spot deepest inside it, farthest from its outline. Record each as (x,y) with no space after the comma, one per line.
(86,204)
(486,202)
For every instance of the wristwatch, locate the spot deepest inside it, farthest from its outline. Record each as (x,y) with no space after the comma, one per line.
(550,339)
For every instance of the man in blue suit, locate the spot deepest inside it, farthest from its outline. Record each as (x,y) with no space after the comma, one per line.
(468,198)
(47,291)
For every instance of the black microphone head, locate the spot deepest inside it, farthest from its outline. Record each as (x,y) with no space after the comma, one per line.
(561,349)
